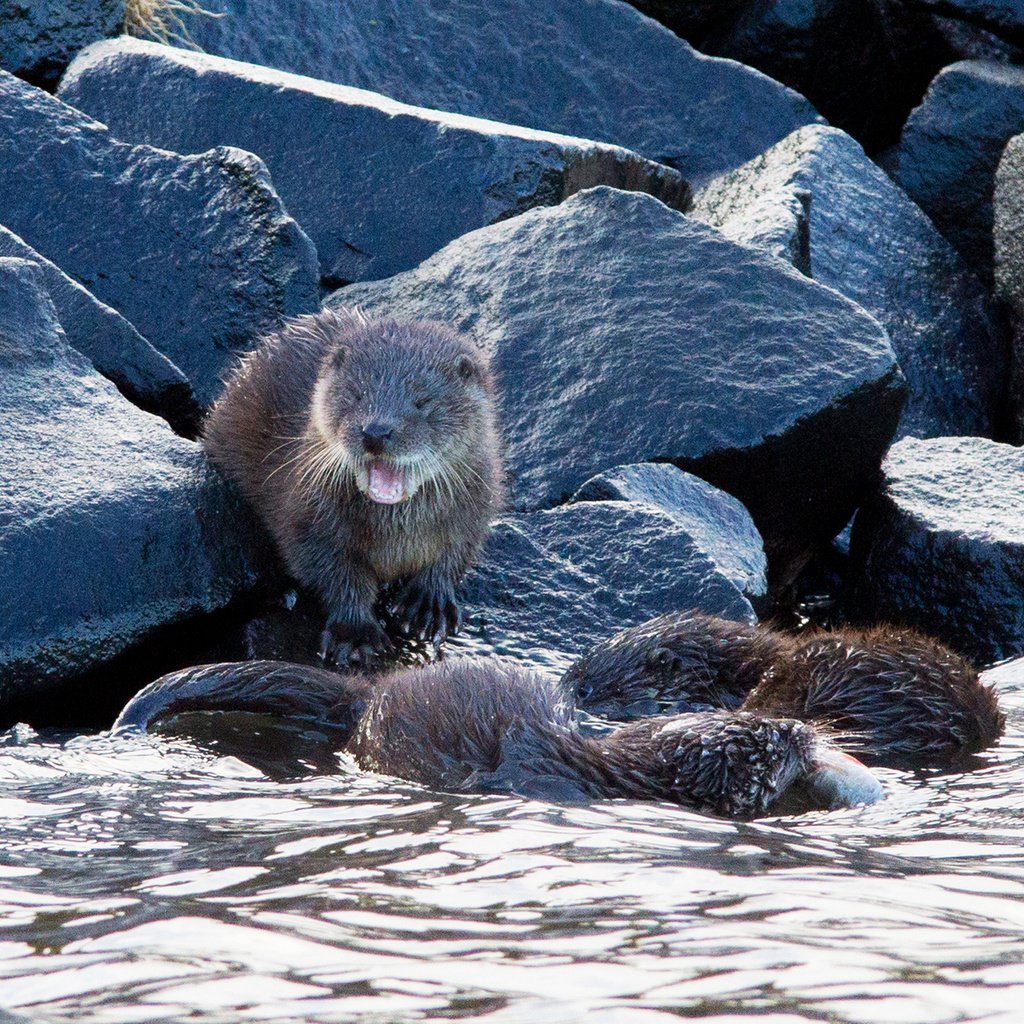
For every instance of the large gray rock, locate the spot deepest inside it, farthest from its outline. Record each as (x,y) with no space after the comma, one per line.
(110,525)
(38,38)
(866,239)
(950,149)
(112,345)
(623,331)
(940,546)
(377,185)
(716,523)
(196,251)
(552,583)
(1003,18)
(592,68)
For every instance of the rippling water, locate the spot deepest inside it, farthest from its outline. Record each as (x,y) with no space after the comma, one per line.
(255,877)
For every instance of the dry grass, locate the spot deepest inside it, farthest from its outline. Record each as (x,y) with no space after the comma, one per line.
(165,21)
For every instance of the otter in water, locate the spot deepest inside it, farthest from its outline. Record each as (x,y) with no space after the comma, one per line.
(895,696)
(369,450)
(494,726)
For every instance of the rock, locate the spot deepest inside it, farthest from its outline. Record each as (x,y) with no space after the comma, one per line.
(112,345)
(693,19)
(863,63)
(197,252)
(554,582)
(361,174)
(622,331)
(1003,19)
(868,241)
(110,525)
(950,149)
(38,38)
(1008,239)
(940,546)
(592,68)
(716,523)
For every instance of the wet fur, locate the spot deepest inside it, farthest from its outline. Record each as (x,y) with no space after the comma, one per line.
(893,695)
(494,726)
(286,431)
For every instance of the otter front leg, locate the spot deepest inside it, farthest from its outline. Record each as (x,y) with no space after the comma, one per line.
(425,607)
(352,635)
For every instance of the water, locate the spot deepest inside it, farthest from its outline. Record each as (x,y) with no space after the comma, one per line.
(256,877)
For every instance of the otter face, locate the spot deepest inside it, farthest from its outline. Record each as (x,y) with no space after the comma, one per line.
(400,405)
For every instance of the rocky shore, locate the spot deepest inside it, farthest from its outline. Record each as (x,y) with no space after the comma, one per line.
(735,293)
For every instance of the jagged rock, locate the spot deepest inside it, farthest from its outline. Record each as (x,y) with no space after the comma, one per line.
(110,525)
(592,68)
(555,582)
(862,63)
(692,19)
(38,38)
(623,331)
(1003,19)
(112,345)
(363,175)
(1008,238)
(716,523)
(950,149)
(197,252)
(867,240)
(940,546)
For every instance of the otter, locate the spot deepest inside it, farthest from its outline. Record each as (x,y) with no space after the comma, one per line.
(894,696)
(369,450)
(494,726)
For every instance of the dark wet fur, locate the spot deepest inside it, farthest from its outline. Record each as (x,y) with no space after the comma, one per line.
(894,697)
(494,726)
(323,378)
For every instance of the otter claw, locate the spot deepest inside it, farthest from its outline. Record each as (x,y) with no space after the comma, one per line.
(430,615)
(347,644)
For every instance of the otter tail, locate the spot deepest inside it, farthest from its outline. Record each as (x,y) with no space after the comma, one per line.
(262,687)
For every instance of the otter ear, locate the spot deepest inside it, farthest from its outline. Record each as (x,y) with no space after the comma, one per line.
(465,367)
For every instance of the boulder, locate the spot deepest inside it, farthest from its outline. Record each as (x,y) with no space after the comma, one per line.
(950,148)
(1003,19)
(622,331)
(591,68)
(196,251)
(716,523)
(866,239)
(377,185)
(552,583)
(110,525)
(1008,240)
(940,546)
(862,63)
(112,345)
(38,38)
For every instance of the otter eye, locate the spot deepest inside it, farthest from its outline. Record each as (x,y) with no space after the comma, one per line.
(422,403)
(358,396)
(465,367)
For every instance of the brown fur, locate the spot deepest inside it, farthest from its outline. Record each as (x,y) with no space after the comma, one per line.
(494,726)
(894,695)
(289,431)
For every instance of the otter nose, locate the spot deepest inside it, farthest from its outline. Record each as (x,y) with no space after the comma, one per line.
(376,435)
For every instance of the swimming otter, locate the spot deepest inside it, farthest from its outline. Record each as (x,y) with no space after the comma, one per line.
(369,450)
(893,695)
(494,726)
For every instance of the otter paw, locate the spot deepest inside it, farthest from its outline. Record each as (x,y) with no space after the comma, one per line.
(346,643)
(428,613)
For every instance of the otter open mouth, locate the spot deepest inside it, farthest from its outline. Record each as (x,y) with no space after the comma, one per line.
(386,484)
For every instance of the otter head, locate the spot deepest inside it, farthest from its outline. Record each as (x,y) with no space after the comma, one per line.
(402,404)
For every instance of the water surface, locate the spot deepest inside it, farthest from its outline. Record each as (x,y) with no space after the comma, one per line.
(250,874)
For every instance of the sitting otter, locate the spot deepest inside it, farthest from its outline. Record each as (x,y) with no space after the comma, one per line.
(494,726)
(894,696)
(369,450)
